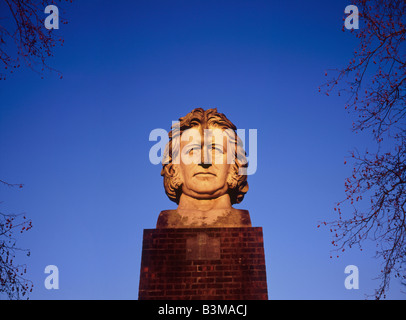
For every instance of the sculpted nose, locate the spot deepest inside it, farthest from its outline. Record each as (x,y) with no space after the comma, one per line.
(205,160)
(205,165)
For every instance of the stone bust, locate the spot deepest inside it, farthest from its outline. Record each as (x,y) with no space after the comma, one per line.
(200,167)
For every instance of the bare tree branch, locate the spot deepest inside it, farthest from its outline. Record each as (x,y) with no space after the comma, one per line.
(24,40)
(375,81)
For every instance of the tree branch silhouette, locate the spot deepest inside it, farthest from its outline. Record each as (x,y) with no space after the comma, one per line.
(375,82)
(24,40)
(12,280)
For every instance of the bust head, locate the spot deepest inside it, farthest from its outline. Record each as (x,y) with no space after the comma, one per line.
(203,157)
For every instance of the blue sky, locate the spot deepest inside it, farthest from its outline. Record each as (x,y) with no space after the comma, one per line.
(80,144)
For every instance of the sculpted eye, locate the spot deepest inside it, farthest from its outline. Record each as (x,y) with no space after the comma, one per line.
(217,149)
(192,149)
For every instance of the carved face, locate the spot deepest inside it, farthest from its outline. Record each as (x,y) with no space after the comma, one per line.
(175,184)
(203,164)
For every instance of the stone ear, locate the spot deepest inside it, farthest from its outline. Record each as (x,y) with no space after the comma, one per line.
(177,176)
(231,178)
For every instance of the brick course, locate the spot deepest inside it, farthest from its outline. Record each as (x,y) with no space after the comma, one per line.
(203,263)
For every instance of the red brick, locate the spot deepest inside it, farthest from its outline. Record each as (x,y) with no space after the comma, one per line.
(237,273)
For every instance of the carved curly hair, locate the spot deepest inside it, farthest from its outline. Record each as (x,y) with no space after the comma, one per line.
(237,183)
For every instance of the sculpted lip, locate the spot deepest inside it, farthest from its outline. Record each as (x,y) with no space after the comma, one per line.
(204,173)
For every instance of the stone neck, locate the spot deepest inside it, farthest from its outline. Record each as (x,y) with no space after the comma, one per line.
(189,203)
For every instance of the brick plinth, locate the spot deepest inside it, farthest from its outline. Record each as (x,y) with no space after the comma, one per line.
(203,263)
